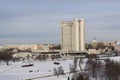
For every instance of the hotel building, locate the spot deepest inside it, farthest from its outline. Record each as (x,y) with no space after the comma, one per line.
(73,35)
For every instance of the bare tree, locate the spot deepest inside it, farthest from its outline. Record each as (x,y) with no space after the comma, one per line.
(6,55)
(72,68)
(112,70)
(60,70)
(55,71)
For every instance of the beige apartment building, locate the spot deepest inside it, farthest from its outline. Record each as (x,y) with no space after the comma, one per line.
(22,46)
(32,47)
(73,35)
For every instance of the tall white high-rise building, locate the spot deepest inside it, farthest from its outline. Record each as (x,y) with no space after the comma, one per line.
(73,35)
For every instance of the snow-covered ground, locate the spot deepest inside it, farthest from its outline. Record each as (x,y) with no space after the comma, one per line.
(117,58)
(15,72)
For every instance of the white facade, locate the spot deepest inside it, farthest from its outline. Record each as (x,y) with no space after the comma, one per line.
(22,55)
(73,35)
(1,47)
(32,47)
(117,46)
(23,46)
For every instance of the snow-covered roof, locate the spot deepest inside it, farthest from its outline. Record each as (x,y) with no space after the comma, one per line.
(22,54)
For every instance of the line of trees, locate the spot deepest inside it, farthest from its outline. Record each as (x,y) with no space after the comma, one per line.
(104,69)
(43,57)
(109,71)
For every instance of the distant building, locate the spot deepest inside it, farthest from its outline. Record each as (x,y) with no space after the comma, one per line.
(94,43)
(109,44)
(117,46)
(94,51)
(22,55)
(73,35)
(1,47)
(94,40)
(43,46)
(32,47)
(22,46)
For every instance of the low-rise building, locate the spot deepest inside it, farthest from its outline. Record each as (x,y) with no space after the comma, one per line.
(94,51)
(117,47)
(32,47)
(1,47)
(22,55)
(22,46)
(109,44)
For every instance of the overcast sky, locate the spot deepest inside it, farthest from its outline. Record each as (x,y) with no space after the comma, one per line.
(38,21)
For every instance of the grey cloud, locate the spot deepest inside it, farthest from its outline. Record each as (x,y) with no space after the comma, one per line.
(39,21)
(29,27)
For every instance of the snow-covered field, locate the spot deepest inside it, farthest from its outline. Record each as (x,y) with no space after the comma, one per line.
(117,58)
(15,72)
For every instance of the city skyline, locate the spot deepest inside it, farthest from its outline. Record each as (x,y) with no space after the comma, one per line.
(38,21)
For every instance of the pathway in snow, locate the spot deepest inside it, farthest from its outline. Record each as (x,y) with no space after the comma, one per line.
(12,67)
(80,68)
